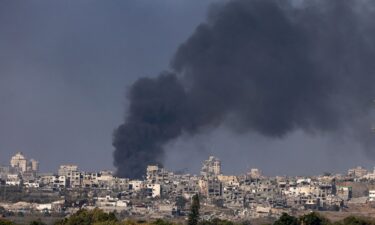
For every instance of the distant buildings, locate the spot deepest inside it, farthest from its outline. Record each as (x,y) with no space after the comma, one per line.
(255,173)
(34,165)
(20,163)
(357,172)
(73,176)
(211,167)
(163,193)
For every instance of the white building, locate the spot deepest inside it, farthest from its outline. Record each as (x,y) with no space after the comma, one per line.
(154,190)
(53,181)
(135,185)
(19,161)
(255,173)
(371,195)
(13,180)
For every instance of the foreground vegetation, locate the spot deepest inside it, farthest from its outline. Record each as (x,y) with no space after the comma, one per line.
(98,217)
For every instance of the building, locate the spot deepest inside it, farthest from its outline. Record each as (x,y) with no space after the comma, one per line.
(65,169)
(371,195)
(157,174)
(153,190)
(53,181)
(34,164)
(344,192)
(210,188)
(19,161)
(357,172)
(211,167)
(255,173)
(72,174)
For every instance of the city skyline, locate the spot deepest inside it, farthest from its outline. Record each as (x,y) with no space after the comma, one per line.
(209,165)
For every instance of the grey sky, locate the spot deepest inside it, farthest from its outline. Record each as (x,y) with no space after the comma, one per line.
(64,70)
(65,65)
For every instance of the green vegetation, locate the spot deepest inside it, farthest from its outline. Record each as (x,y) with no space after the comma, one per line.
(37,222)
(6,222)
(216,222)
(93,217)
(99,217)
(194,211)
(316,219)
(286,219)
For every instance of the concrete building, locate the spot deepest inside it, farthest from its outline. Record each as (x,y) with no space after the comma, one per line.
(344,192)
(19,161)
(157,174)
(153,190)
(34,165)
(211,167)
(255,173)
(65,169)
(210,188)
(371,195)
(357,172)
(70,171)
(53,181)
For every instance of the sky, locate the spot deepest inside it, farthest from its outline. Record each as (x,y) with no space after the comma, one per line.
(65,67)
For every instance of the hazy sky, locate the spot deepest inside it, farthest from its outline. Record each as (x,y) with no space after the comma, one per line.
(65,67)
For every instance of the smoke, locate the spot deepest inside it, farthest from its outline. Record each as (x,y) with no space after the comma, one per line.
(264,66)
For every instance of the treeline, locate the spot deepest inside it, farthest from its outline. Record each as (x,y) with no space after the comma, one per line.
(99,217)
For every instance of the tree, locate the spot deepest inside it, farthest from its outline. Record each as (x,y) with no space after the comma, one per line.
(313,219)
(86,217)
(286,219)
(6,222)
(37,222)
(351,220)
(180,202)
(161,222)
(194,211)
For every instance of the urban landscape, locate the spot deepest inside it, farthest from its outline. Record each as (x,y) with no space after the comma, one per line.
(163,194)
(187,112)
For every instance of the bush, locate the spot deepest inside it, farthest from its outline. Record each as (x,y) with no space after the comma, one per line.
(216,221)
(313,219)
(352,220)
(85,217)
(286,219)
(37,222)
(6,222)
(161,222)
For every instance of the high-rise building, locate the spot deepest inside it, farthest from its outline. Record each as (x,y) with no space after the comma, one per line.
(34,164)
(211,167)
(19,161)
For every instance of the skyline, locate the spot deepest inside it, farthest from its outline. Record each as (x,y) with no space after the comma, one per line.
(65,69)
(30,159)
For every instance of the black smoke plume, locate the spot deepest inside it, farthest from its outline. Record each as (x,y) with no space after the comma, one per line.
(270,66)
